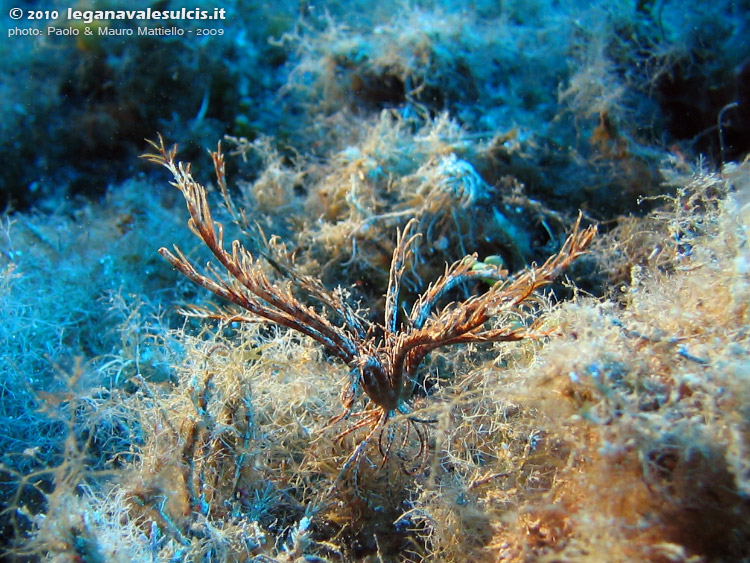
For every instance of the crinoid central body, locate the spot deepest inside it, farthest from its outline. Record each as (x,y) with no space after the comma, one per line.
(383,358)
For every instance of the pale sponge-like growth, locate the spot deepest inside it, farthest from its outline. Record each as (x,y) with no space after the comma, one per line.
(625,437)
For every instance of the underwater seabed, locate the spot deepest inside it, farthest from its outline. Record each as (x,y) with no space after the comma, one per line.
(488,300)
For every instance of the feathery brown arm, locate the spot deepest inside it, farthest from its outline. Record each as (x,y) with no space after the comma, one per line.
(261,298)
(463,322)
(402,251)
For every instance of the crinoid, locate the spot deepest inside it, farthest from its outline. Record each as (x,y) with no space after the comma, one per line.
(383,358)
